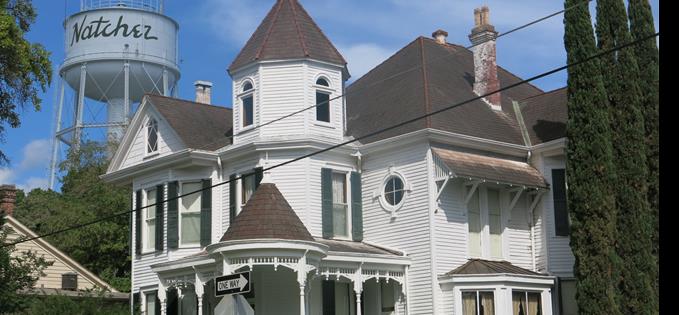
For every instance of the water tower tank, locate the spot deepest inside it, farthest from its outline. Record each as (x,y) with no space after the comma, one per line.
(116,51)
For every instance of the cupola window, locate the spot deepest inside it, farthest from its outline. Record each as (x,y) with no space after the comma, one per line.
(322,101)
(248,104)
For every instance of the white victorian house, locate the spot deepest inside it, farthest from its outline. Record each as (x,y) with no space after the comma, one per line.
(460,213)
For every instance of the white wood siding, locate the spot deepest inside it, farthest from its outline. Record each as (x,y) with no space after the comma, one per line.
(334,76)
(282,93)
(168,142)
(409,231)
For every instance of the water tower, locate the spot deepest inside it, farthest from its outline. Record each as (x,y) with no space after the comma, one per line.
(116,50)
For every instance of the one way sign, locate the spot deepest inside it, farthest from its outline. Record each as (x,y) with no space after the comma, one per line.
(236,283)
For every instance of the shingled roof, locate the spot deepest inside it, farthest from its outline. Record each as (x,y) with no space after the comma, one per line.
(423,77)
(287,32)
(546,115)
(482,267)
(267,215)
(200,126)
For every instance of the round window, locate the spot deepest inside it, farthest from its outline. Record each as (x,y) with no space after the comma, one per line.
(393,190)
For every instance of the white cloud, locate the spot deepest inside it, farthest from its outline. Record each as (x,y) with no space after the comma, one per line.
(363,57)
(36,154)
(6,175)
(32,183)
(235,20)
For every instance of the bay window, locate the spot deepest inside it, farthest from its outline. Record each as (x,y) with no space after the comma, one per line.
(189,214)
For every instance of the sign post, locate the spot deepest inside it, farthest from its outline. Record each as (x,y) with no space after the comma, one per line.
(237,283)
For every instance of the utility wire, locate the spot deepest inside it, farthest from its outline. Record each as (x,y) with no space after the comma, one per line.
(448,54)
(536,77)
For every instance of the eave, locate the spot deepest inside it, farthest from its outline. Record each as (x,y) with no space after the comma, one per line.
(183,157)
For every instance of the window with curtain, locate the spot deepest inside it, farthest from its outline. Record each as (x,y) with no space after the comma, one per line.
(474,222)
(478,303)
(526,303)
(150,220)
(494,223)
(189,221)
(339,205)
(151,136)
(247,188)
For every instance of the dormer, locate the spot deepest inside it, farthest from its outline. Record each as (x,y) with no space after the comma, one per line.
(288,65)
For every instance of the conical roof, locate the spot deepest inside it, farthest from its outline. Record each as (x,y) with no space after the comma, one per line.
(287,32)
(267,215)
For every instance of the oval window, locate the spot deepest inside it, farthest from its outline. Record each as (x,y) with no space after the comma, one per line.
(393,190)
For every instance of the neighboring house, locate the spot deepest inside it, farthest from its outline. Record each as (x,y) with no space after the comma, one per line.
(460,213)
(65,276)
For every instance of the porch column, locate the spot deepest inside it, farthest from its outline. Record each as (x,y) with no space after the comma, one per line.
(301,280)
(162,297)
(199,290)
(358,287)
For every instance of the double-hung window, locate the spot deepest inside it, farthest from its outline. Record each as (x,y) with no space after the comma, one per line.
(247,188)
(150,221)
(478,303)
(340,207)
(526,303)
(484,219)
(189,221)
(152,303)
(248,105)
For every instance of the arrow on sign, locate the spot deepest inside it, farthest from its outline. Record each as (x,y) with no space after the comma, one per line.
(232,284)
(242,282)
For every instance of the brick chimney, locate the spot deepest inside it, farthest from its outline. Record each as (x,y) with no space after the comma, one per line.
(8,196)
(485,64)
(440,36)
(203,92)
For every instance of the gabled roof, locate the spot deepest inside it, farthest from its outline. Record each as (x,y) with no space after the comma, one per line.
(22,230)
(267,215)
(198,125)
(483,267)
(490,168)
(287,32)
(546,115)
(423,77)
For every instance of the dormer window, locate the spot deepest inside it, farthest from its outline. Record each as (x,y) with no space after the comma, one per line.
(151,136)
(322,101)
(247,101)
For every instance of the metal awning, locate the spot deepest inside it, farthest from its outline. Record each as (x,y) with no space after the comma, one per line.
(503,171)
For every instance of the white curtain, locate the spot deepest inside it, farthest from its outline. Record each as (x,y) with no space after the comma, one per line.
(150,219)
(190,214)
(518,307)
(488,303)
(339,200)
(534,307)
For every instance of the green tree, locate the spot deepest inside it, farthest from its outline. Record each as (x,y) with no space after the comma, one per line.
(102,247)
(61,304)
(589,168)
(24,66)
(18,271)
(641,25)
(633,221)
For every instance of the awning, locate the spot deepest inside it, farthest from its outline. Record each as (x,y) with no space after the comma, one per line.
(474,166)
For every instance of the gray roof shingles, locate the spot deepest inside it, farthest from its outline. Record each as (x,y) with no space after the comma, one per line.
(481,267)
(287,32)
(200,126)
(545,115)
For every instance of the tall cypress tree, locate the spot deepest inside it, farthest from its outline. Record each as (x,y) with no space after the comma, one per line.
(641,25)
(589,168)
(633,243)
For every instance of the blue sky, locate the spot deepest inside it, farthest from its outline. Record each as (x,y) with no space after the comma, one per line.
(365,32)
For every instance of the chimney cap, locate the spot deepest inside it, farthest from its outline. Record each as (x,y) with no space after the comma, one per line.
(203,83)
(439,32)
(440,36)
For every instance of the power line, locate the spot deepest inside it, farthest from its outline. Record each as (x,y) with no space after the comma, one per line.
(448,54)
(536,77)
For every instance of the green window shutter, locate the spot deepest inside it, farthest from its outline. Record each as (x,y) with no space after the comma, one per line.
(129,240)
(232,198)
(559,197)
(172,215)
(326,202)
(160,203)
(137,229)
(356,207)
(259,173)
(206,213)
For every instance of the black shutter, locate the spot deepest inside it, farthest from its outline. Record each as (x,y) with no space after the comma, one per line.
(129,241)
(137,230)
(232,198)
(328,297)
(560,205)
(172,215)
(160,202)
(259,173)
(356,207)
(157,303)
(206,213)
(326,202)
(172,301)
(136,303)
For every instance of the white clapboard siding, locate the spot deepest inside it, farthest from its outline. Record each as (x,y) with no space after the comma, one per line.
(282,93)
(168,142)
(409,231)
(518,234)
(334,76)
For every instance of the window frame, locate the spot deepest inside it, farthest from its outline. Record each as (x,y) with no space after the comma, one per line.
(329,91)
(382,194)
(347,197)
(146,294)
(147,126)
(525,296)
(180,213)
(241,190)
(146,247)
(484,220)
(478,299)
(249,93)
